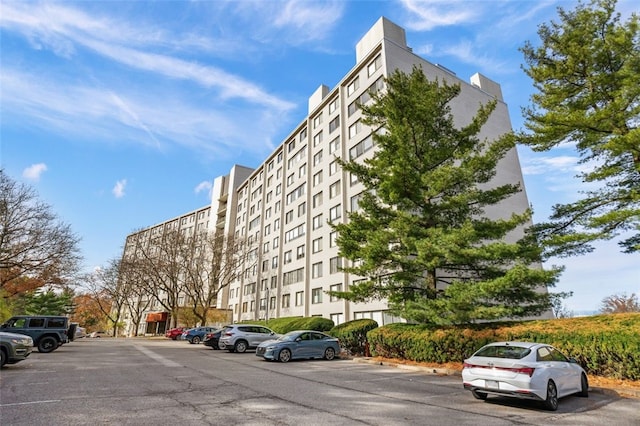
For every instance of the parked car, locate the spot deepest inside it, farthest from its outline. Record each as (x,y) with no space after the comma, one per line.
(240,337)
(195,335)
(299,344)
(47,331)
(14,348)
(524,370)
(98,334)
(213,339)
(80,332)
(174,333)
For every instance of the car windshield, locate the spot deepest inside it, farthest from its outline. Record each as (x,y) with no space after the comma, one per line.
(505,351)
(289,337)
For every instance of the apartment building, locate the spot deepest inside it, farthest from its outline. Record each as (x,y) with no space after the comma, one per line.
(284,206)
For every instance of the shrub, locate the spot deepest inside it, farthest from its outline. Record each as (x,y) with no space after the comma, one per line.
(287,324)
(353,335)
(605,345)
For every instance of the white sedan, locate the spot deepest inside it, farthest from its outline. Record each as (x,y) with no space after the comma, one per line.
(524,370)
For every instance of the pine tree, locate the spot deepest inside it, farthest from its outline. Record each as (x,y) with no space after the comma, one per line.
(420,224)
(587,73)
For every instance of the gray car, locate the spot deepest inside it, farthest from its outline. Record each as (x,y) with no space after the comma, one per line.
(14,348)
(240,337)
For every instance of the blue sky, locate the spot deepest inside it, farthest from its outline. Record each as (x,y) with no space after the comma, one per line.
(121,113)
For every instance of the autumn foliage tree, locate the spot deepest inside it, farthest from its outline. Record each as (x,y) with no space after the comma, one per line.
(36,248)
(620,303)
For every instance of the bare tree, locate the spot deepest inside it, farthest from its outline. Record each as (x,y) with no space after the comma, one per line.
(140,296)
(109,292)
(158,255)
(620,303)
(213,261)
(34,245)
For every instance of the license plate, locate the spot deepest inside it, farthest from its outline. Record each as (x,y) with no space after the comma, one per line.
(491,384)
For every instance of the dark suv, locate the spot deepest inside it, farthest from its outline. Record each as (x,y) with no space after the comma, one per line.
(47,331)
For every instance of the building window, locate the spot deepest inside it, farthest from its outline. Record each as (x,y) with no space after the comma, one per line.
(300,252)
(276,242)
(317,120)
(334,145)
(278,189)
(287,257)
(276,225)
(296,193)
(299,298)
(294,233)
(335,212)
(316,270)
(274,262)
(335,287)
(245,306)
(286,300)
(334,124)
(317,200)
(317,139)
(272,302)
(355,202)
(290,178)
(333,167)
(337,318)
(354,129)
(293,277)
(317,222)
(335,264)
(288,217)
(263,304)
(316,295)
(265,247)
(317,158)
(333,105)
(303,134)
(302,209)
(265,265)
(334,189)
(353,86)
(316,245)
(332,239)
(374,65)
(291,146)
(317,178)
(361,147)
(302,171)
(274,282)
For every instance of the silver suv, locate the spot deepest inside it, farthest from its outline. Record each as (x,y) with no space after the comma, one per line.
(240,337)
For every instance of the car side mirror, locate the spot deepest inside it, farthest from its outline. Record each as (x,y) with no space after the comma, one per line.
(298,339)
(573,360)
(3,326)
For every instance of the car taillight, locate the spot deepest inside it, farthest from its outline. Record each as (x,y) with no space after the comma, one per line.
(228,334)
(524,370)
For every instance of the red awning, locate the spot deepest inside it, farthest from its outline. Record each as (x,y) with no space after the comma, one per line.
(157,316)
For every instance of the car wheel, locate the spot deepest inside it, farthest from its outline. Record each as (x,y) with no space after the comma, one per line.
(584,386)
(329,354)
(241,346)
(47,344)
(3,357)
(551,403)
(284,355)
(479,395)
(195,340)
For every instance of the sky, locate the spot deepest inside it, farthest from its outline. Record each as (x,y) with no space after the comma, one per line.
(120,114)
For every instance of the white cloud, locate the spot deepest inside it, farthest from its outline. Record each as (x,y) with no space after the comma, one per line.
(540,165)
(118,189)
(34,171)
(203,186)
(431,14)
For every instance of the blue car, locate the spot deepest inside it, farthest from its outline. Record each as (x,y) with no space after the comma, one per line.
(196,335)
(299,344)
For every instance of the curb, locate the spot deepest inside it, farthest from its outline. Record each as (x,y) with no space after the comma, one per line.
(619,391)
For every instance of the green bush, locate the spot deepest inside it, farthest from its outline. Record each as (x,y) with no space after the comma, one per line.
(353,335)
(605,345)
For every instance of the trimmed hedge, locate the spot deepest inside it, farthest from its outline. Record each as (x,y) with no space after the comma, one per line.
(605,345)
(287,324)
(353,335)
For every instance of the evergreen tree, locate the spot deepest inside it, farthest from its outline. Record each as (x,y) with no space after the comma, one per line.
(421,223)
(587,74)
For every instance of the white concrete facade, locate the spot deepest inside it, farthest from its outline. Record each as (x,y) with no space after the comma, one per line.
(282,206)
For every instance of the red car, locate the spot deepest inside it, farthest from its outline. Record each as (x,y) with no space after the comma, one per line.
(174,333)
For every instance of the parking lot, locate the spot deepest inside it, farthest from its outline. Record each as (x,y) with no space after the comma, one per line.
(151,381)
